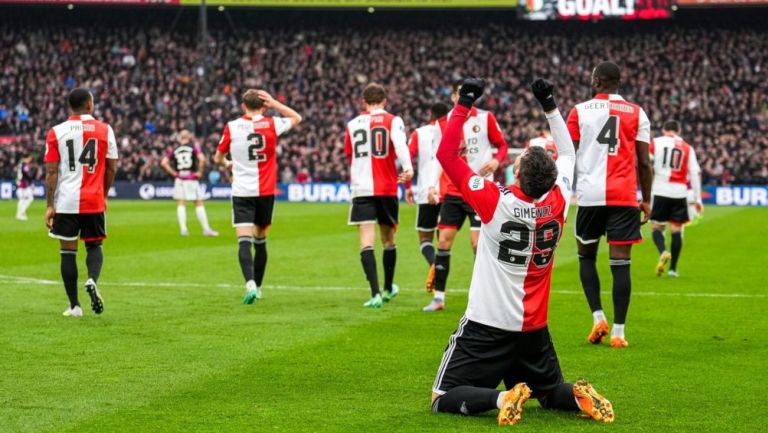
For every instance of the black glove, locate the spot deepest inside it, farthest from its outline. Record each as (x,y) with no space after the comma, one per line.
(471,90)
(543,90)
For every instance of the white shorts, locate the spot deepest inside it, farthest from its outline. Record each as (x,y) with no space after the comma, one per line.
(187,190)
(27,193)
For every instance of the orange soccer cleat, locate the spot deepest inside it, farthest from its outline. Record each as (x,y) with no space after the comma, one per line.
(599,331)
(512,405)
(591,403)
(619,342)
(430,283)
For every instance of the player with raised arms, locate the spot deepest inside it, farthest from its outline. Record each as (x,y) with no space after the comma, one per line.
(481,135)
(251,142)
(81,162)
(612,138)
(503,336)
(373,142)
(423,146)
(186,164)
(675,167)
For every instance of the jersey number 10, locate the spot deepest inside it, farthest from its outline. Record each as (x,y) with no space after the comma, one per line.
(87,156)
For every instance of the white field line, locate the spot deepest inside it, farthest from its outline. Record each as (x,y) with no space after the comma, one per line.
(38,281)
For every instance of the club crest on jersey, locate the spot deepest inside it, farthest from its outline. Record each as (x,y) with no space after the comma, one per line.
(476,183)
(476,129)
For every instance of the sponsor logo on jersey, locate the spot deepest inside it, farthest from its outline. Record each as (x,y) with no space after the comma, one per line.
(476,183)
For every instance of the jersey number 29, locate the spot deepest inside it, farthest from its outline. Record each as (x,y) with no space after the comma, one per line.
(543,242)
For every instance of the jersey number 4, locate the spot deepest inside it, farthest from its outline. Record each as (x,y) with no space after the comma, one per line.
(543,243)
(87,156)
(609,135)
(379,146)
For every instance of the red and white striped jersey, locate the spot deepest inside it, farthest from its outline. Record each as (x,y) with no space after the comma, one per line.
(674,165)
(423,144)
(81,145)
(607,128)
(546,142)
(252,145)
(374,141)
(515,253)
(481,135)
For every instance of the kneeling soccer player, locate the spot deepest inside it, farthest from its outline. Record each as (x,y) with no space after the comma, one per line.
(503,335)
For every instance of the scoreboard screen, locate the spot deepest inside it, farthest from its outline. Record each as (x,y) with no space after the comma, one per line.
(422,4)
(590,10)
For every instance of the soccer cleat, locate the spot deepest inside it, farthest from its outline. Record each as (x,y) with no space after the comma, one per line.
(21,217)
(252,293)
(512,404)
(211,233)
(390,294)
(430,283)
(435,305)
(673,274)
(97,303)
(73,312)
(375,302)
(185,233)
(599,331)
(619,342)
(662,263)
(591,403)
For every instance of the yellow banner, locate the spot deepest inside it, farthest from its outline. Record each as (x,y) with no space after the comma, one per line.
(361,3)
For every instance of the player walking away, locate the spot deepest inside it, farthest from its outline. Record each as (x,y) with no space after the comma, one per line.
(186,164)
(251,142)
(503,335)
(481,134)
(25,187)
(612,137)
(423,146)
(675,166)
(81,162)
(374,140)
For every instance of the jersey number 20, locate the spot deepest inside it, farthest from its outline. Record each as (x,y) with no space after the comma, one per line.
(87,156)
(379,142)
(543,242)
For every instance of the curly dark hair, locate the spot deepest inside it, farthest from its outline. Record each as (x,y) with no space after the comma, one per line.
(538,172)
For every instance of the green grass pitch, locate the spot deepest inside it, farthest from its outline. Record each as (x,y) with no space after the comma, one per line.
(175,351)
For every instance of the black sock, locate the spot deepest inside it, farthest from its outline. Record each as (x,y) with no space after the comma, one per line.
(389,260)
(677,245)
(442,264)
(428,251)
(590,281)
(246,259)
(560,398)
(69,275)
(467,400)
(94,259)
(368,259)
(658,240)
(259,259)
(622,287)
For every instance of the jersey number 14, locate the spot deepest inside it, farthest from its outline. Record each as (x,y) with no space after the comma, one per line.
(87,156)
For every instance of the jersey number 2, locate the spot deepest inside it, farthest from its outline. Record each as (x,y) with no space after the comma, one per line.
(543,243)
(87,156)
(256,146)
(609,135)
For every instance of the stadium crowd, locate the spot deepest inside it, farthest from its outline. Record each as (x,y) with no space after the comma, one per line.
(148,83)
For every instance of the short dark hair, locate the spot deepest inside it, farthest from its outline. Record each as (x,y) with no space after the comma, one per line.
(538,172)
(608,72)
(374,93)
(78,98)
(251,100)
(671,125)
(438,110)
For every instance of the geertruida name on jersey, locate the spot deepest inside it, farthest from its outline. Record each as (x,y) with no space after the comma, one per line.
(602,105)
(533,212)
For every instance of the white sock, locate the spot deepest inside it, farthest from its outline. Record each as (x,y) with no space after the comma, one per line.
(598,316)
(181,214)
(27,204)
(500,399)
(617,331)
(203,218)
(440,296)
(250,285)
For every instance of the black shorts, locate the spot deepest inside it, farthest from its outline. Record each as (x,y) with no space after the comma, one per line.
(374,209)
(620,224)
(669,210)
(483,356)
(253,211)
(453,213)
(427,216)
(89,226)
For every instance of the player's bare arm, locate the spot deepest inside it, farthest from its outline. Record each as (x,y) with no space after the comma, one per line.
(220,159)
(202,162)
(51,182)
(166,164)
(109,175)
(284,110)
(645,172)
